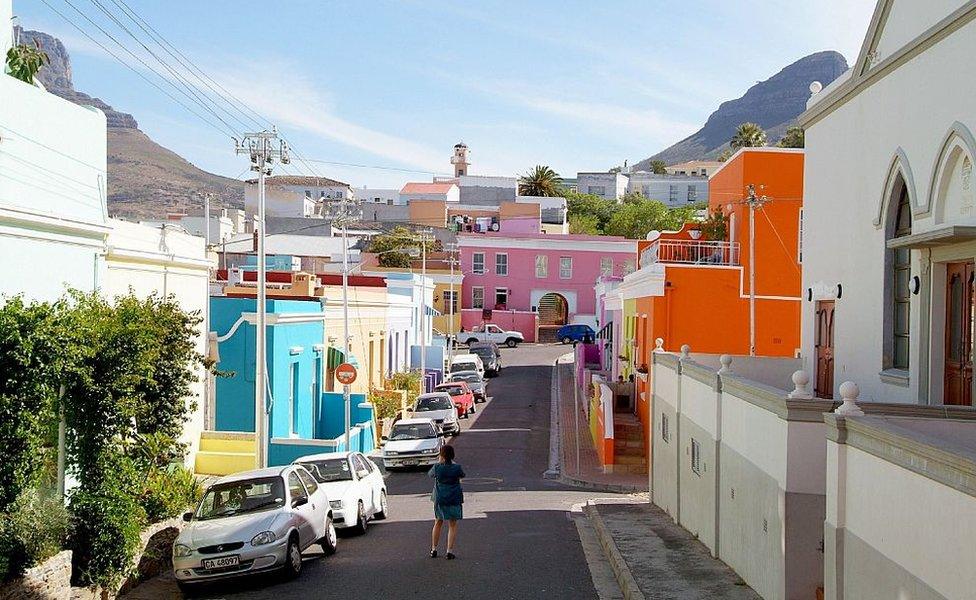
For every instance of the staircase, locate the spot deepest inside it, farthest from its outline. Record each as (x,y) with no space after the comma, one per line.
(225,452)
(628,444)
(547,334)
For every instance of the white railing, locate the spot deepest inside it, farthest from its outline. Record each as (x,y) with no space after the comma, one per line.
(695,252)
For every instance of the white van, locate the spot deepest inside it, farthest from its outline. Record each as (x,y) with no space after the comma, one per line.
(467,362)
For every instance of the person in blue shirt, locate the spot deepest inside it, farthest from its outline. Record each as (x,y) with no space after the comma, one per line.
(448,498)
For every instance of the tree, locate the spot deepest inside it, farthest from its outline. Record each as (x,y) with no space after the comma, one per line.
(584,224)
(715,227)
(793,138)
(725,155)
(541,181)
(581,206)
(393,247)
(634,220)
(659,167)
(25,61)
(748,135)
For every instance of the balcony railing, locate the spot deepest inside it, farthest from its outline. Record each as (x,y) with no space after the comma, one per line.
(694,252)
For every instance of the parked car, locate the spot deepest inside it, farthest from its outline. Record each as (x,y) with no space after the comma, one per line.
(355,486)
(479,387)
(253,522)
(492,333)
(568,334)
(489,354)
(467,362)
(461,395)
(438,407)
(411,443)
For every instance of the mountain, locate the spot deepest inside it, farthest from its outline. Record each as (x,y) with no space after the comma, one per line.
(144,178)
(774,104)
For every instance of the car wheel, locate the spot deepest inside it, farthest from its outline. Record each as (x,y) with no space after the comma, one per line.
(188,590)
(471,341)
(384,508)
(511,342)
(293,558)
(330,541)
(567,340)
(362,523)
(473,409)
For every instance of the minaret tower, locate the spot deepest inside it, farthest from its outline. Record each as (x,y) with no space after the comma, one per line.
(460,159)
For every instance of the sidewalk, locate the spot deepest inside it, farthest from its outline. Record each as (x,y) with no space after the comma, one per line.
(589,473)
(652,557)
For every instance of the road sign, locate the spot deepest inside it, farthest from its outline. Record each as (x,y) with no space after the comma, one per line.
(345,374)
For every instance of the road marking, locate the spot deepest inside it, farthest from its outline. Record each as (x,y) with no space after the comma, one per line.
(481,480)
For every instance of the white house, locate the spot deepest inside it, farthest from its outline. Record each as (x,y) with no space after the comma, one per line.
(610,186)
(447,191)
(388,196)
(294,195)
(223,226)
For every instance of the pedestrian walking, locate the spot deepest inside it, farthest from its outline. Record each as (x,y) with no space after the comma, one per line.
(448,499)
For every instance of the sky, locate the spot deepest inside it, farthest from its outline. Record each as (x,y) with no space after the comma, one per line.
(391,86)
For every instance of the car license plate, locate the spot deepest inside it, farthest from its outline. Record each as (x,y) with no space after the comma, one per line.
(222,562)
(411,463)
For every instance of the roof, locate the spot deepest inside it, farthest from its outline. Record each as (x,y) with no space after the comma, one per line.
(427,188)
(298,180)
(413,421)
(569,237)
(696,163)
(324,278)
(432,395)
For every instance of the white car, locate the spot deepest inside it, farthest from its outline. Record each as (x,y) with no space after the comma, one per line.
(467,362)
(253,522)
(412,443)
(439,408)
(355,486)
(492,333)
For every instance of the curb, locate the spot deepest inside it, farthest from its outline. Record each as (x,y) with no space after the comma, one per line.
(612,488)
(625,579)
(554,450)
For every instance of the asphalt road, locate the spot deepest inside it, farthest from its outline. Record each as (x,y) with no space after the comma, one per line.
(517,539)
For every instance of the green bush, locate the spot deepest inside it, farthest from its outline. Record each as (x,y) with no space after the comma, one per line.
(386,402)
(32,531)
(169,492)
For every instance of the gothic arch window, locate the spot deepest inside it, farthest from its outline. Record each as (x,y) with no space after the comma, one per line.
(898,272)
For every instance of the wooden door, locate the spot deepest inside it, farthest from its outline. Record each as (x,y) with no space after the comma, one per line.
(959,334)
(824,327)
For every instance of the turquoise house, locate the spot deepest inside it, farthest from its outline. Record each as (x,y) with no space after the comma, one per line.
(302,418)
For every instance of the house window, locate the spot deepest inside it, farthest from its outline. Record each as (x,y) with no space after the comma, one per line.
(673,194)
(501,263)
(389,201)
(630,265)
(606,265)
(695,456)
(599,190)
(501,298)
(542,266)
(450,301)
(478,263)
(901,273)
(477,297)
(565,267)
(665,428)
(692,193)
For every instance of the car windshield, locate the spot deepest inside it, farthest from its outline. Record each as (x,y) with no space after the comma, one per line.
(464,366)
(485,353)
(333,469)
(454,390)
(433,403)
(467,377)
(412,431)
(237,497)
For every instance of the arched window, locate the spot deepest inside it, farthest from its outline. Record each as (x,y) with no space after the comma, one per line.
(899,272)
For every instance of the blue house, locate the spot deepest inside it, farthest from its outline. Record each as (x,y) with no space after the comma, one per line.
(303,419)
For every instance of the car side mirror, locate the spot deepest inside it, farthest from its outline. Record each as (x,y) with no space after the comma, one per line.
(384,437)
(188,516)
(300,501)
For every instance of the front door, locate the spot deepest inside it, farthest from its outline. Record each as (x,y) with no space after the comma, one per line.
(959,334)
(824,327)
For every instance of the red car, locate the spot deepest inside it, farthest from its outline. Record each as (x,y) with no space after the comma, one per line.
(462,396)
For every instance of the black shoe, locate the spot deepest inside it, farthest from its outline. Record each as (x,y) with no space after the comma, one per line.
(450,556)
(433,553)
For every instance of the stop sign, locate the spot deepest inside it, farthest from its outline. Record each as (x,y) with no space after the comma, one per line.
(345,373)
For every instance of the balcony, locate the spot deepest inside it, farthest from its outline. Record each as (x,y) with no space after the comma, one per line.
(692,252)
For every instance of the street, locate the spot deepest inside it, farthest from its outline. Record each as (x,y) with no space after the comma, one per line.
(517,539)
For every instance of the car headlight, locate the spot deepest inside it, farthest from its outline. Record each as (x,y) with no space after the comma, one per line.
(389,453)
(335,504)
(265,537)
(182,550)
(431,451)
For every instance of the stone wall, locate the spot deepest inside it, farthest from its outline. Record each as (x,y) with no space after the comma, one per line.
(50,580)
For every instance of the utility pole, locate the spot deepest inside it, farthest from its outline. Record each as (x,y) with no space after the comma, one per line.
(263,148)
(207,395)
(423,311)
(754,202)
(345,211)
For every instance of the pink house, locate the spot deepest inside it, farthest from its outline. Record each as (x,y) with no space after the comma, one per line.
(535,281)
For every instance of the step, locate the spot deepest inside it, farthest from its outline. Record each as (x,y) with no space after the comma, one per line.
(227,441)
(619,444)
(632,469)
(625,459)
(636,436)
(223,463)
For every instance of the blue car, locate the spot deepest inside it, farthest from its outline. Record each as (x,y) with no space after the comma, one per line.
(568,334)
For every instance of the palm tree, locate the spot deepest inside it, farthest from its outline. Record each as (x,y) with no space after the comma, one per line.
(540,181)
(748,135)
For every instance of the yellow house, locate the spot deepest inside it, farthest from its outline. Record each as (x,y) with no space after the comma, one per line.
(367,329)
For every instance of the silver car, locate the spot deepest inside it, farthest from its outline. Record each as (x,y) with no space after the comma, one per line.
(253,522)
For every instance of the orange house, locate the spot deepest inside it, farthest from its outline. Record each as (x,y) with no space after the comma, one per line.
(690,289)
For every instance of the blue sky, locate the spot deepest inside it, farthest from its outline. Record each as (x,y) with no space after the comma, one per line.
(575,85)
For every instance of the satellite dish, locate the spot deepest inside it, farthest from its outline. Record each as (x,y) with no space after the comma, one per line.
(816,87)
